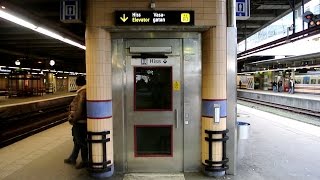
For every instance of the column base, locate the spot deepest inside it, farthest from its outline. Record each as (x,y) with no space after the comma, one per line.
(213,171)
(103,174)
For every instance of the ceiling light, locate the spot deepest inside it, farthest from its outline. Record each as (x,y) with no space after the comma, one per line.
(52,62)
(3,7)
(39,29)
(17,62)
(16,20)
(48,33)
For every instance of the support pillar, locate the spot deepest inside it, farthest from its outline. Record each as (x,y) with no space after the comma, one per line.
(214,96)
(99,102)
(49,82)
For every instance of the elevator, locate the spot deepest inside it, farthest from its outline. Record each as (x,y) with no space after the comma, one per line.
(157,101)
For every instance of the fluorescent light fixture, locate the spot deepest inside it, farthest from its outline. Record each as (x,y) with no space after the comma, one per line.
(13,67)
(48,33)
(16,20)
(5,70)
(73,43)
(39,29)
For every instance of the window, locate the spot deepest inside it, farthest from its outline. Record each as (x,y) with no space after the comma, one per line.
(306,80)
(153,140)
(153,88)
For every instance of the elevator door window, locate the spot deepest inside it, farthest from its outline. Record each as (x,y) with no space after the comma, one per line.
(153,88)
(153,140)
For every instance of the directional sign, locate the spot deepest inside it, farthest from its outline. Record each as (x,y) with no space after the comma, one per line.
(154,18)
(70,11)
(242,9)
(153,61)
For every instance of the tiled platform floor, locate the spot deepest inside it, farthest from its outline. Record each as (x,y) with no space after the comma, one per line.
(278,149)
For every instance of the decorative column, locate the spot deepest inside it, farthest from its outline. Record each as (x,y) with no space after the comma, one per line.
(49,82)
(99,102)
(214,98)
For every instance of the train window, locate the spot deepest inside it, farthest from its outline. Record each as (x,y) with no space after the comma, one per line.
(318,81)
(153,140)
(306,80)
(298,81)
(313,81)
(153,88)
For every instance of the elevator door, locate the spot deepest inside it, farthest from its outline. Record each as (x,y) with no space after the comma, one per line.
(153,107)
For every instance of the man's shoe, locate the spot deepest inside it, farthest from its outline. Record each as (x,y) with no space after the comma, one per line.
(81,165)
(69,161)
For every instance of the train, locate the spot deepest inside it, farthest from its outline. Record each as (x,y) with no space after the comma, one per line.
(307,83)
(30,83)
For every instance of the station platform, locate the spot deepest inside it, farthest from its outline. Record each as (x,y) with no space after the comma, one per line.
(277,148)
(310,102)
(284,94)
(6,102)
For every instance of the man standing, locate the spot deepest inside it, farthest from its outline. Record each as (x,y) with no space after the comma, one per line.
(291,86)
(78,118)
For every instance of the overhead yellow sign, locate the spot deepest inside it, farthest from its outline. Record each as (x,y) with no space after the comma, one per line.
(176,85)
(185,17)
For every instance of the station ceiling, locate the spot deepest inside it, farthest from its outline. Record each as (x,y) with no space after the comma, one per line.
(35,50)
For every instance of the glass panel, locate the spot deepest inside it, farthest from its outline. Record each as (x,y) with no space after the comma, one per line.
(153,140)
(313,81)
(306,80)
(153,88)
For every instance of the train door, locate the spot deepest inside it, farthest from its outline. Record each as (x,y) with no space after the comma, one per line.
(154,135)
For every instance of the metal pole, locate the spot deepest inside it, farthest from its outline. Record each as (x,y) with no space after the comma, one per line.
(245,36)
(231,17)
(293,7)
(294,16)
(302,14)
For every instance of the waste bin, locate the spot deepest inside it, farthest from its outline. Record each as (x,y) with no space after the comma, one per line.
(243,130)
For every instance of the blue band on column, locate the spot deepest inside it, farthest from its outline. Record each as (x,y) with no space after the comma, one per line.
(208,110)
(99,109)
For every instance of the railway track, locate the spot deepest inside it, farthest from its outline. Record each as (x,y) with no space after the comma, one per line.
(21,126)
(288,108)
